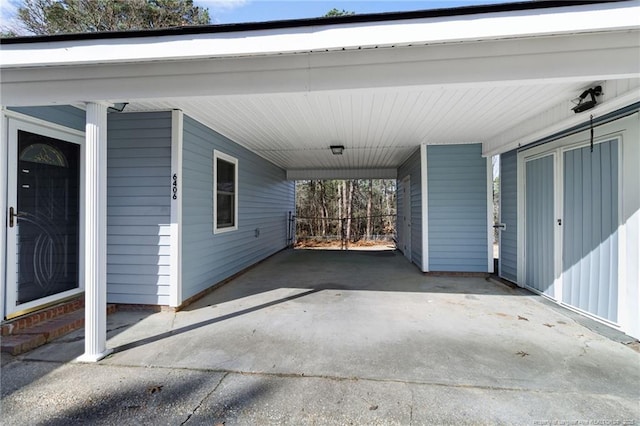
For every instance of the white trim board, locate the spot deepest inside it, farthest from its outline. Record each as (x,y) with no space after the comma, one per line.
(490,265)
(425,207)
(469,64)
(447,29)
(176,194)
(236,195)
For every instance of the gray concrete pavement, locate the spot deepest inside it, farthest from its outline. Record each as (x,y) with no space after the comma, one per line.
(312,337)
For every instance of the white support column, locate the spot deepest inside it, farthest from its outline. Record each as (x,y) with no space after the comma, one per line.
(425,207)
(95,277)
(176,208)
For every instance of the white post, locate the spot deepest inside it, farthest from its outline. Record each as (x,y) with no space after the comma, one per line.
(425,207)
(95,341)
(176,209)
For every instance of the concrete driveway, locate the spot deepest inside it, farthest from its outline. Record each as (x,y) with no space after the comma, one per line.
(316,337)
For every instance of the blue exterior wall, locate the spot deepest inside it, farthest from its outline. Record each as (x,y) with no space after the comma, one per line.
(457,192)
(64,115)
(265,200)
(509,215)
(411,167)
(138,207)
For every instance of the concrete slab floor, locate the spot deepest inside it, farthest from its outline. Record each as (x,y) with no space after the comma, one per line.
(316,337)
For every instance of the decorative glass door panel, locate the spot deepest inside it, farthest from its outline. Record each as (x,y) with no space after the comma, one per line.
(46,217)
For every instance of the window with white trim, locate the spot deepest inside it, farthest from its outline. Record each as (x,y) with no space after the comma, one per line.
(225,192)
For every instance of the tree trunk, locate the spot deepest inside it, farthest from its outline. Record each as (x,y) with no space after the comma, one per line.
(349,185)
(323,204)
(388,206)
(312,196)
(369,205)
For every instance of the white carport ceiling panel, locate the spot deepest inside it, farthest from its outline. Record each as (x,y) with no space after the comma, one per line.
(378,127)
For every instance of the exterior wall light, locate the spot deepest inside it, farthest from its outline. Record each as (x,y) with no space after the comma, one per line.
(584,105)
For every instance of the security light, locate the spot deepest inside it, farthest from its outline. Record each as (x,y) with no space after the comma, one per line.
(581,104)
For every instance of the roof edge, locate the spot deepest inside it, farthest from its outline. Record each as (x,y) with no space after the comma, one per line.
(308,22)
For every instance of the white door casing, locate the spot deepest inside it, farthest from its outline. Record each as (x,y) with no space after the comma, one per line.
(16,123)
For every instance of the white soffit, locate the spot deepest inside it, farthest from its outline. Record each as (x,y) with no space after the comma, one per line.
(490,26)
(378,128)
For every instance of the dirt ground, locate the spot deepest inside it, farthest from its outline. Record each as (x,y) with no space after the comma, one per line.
(361,245)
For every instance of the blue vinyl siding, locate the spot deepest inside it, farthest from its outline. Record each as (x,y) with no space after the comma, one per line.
(411,168)
(265,200)
(457,179)
(138,207)
(64,115)
(509,215)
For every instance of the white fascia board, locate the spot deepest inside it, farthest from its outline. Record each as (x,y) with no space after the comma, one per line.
(491,26)
(537,60)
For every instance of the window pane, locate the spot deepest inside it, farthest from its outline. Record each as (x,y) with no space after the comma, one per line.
(225,212)
(225,175)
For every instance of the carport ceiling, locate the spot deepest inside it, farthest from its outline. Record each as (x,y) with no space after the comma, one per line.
(379,128)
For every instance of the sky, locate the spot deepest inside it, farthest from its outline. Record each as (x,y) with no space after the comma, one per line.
(235,11)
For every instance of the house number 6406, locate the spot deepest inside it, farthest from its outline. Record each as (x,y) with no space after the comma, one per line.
(174,187)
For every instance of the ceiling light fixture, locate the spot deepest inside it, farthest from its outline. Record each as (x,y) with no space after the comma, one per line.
(337,149)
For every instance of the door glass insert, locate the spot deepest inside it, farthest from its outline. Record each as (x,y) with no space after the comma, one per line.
(48,216)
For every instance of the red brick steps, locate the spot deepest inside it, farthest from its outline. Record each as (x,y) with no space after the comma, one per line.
(30,331)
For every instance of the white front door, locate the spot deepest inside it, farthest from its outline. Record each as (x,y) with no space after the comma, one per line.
(406,217)
(44,215)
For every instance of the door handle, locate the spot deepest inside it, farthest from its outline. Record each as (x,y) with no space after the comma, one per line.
(12,216)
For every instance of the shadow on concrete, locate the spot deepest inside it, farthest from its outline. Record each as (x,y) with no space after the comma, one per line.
(349,270)
(45,359)
(166,402)
(200,324)
(316,271)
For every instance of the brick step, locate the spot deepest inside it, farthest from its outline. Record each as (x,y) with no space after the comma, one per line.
(27,339)
(26,321)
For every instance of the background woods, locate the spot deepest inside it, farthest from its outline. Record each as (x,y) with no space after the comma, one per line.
(361,209)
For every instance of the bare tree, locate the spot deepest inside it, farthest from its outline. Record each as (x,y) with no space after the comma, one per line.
(43,17)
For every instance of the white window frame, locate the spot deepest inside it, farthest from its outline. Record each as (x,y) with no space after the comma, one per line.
(229,159)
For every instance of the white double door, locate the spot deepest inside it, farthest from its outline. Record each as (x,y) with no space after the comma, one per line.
(570,212)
